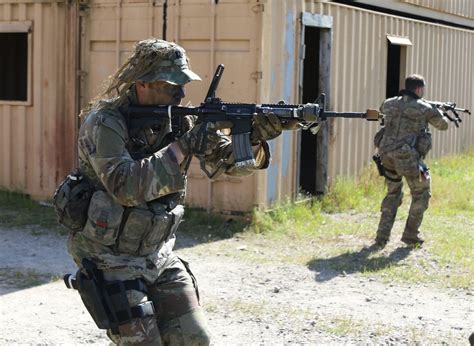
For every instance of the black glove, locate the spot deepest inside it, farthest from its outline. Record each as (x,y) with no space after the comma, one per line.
(264,128)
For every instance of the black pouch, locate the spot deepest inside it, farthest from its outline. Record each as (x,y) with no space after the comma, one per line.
(92,297)
(71,201)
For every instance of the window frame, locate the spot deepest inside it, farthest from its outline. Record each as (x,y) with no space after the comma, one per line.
(21,27)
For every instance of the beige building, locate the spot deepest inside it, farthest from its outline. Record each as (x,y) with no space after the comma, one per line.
(55,53)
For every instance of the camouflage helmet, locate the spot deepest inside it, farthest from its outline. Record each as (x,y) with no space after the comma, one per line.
(157,60)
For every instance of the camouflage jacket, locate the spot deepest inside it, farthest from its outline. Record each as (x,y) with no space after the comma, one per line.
(135,213)
(406,119)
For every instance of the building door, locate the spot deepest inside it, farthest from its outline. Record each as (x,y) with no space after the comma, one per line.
(315,72)
(396,64)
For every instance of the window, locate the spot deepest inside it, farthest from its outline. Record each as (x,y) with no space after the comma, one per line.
(15,62)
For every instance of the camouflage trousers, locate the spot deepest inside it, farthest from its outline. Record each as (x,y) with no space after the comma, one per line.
(179,318)
(420,190)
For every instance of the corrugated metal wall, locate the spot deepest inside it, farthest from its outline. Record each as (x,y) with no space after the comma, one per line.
(358,78)
(37,141)
(259,42)
(463,8)
(226,33)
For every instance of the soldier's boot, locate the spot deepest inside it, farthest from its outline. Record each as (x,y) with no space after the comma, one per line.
(418,206)
(411,234)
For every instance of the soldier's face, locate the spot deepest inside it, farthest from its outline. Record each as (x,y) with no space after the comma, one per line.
(420,91)
(160,93)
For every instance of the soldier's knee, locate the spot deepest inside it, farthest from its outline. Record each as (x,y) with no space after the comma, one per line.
(421,202)
(188,329)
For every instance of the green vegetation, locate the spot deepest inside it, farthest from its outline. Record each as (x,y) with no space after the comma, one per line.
(19,210)
(343,223)
(24,278)
(333,233)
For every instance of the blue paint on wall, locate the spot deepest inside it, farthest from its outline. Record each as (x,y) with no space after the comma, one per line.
(288,74)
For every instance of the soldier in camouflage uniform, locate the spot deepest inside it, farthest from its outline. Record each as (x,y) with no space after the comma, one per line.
(140,176)
(403,143)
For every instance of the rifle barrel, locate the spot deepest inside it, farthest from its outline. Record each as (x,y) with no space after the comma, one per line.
(345,114)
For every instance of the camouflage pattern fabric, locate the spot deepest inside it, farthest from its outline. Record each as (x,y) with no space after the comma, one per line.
(405,118)
(265,127)
(134,215)
(179,317)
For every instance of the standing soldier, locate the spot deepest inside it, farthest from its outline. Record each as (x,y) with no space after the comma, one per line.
(140,177)
(403,143)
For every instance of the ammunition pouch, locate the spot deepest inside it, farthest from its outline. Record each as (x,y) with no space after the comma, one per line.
(107,301)
(71,200)
(145,230)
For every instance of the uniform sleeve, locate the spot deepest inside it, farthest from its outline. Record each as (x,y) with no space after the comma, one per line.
(131,182)
(436,118)
(222,160)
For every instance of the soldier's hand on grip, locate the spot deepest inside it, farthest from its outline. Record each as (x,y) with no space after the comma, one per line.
(265,127)
(202,139)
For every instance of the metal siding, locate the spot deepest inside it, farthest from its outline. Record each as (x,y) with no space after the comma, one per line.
(34,155)
(463,8)
(435,53)
(358,77)
(211,34)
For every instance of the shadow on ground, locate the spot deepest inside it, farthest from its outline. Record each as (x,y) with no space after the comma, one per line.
(356,262)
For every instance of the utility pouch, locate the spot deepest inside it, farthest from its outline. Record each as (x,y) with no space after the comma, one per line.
(424,143)
(71,201)
(103,219)
(406,161)
(145,230)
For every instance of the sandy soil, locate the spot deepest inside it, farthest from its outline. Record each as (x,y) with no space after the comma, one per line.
(246,303)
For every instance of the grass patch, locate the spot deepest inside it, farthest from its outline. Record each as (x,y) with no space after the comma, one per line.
(206,227)
(24,278)
(19,210)
(345,220)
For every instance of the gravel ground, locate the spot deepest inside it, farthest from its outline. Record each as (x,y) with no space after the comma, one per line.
(246,303)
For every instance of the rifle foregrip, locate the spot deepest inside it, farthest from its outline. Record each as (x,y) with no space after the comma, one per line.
(242,148)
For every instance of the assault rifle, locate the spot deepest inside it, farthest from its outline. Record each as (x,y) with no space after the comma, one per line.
(450,107)
(308,116)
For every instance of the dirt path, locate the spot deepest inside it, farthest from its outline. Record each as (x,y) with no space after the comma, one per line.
(246,303)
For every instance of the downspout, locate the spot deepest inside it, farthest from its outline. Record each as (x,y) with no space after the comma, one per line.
(151,5)
(210,183)
(165,19)
(118,32)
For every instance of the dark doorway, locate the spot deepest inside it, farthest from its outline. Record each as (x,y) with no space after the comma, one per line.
(311,77)
(13,66)
(393,70)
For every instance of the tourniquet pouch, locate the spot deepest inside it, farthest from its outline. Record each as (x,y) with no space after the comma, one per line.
(406,160)
(71,201)
(423,143)
(103,219)
(145,230)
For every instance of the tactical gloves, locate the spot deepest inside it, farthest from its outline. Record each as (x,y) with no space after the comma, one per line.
(265,127)
(202,139)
